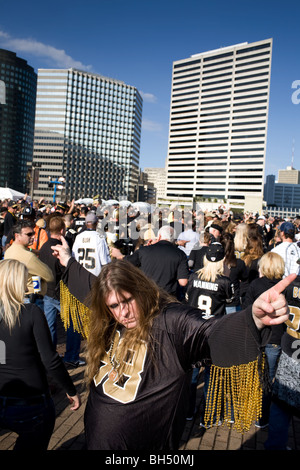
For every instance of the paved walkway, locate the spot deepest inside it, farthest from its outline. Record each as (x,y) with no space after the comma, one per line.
(69,429)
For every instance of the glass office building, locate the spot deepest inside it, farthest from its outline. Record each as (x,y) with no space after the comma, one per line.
(17,111)
(218,124)
(87,130)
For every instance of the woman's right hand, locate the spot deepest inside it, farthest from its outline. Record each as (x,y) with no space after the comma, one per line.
(75,402)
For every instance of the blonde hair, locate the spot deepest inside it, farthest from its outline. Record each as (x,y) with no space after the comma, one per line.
(241,237)
(13,275)
(211,270)
(271,265)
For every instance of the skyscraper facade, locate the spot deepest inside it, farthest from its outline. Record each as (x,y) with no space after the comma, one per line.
(157,176)
(87,130)
(17,109)
(218,123)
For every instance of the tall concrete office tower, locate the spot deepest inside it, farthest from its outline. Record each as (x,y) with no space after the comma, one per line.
(17,108)
(218,124)
(87,130)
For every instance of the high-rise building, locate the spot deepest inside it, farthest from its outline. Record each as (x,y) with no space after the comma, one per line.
(218,123)
(289,175)
(157,176)
(87,130)
(281,194)
(17,108)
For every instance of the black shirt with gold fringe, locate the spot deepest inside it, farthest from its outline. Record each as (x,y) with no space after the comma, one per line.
(145,407)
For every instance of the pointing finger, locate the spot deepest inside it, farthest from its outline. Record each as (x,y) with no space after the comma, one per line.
(284,283)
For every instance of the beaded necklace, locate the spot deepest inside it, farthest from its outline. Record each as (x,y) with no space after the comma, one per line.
(115,363)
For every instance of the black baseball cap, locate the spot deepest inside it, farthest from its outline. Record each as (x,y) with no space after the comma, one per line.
(215,252)
(217,227)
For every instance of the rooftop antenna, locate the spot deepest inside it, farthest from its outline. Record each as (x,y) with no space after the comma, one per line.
(293,149)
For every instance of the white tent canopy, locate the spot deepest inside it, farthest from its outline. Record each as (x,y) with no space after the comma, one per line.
(125,203)
(111,202)
(85,200)
(8,193)
(143,207)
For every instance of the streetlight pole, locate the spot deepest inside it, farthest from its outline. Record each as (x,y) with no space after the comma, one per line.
(58,184)
(34,172)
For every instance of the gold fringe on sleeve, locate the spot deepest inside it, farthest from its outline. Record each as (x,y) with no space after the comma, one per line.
(236,391)
(72,308)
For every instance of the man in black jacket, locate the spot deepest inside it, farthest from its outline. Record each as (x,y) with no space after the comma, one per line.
(163,261)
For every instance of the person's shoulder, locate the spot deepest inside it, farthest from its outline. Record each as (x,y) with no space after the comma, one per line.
(223,279)
(31,312)
(79,236)
(257,282)
(171,313)
(240,262)
(278,247)
(14,248)
(48,243)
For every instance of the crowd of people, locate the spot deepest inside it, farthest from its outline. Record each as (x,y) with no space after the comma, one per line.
(158,295)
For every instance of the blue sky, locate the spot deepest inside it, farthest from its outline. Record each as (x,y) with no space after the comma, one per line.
(136,41)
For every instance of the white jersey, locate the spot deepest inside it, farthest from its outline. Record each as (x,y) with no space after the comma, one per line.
(91,251)
(290,253)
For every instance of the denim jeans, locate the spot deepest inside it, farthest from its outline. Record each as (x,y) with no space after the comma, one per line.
(272,352)
(73,339)
(51,307)
(33,422)
(72,344)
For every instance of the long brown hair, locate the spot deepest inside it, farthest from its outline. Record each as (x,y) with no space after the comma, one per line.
(120,277)
(254,250)
(227,241)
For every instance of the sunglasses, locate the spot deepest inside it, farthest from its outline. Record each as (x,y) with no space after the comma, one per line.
(29,234)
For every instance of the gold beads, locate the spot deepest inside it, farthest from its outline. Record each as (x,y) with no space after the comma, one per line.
(236,391)
(72,309)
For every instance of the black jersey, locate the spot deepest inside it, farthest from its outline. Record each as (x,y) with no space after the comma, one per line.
(210,297)
(153,392)
(145,409)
